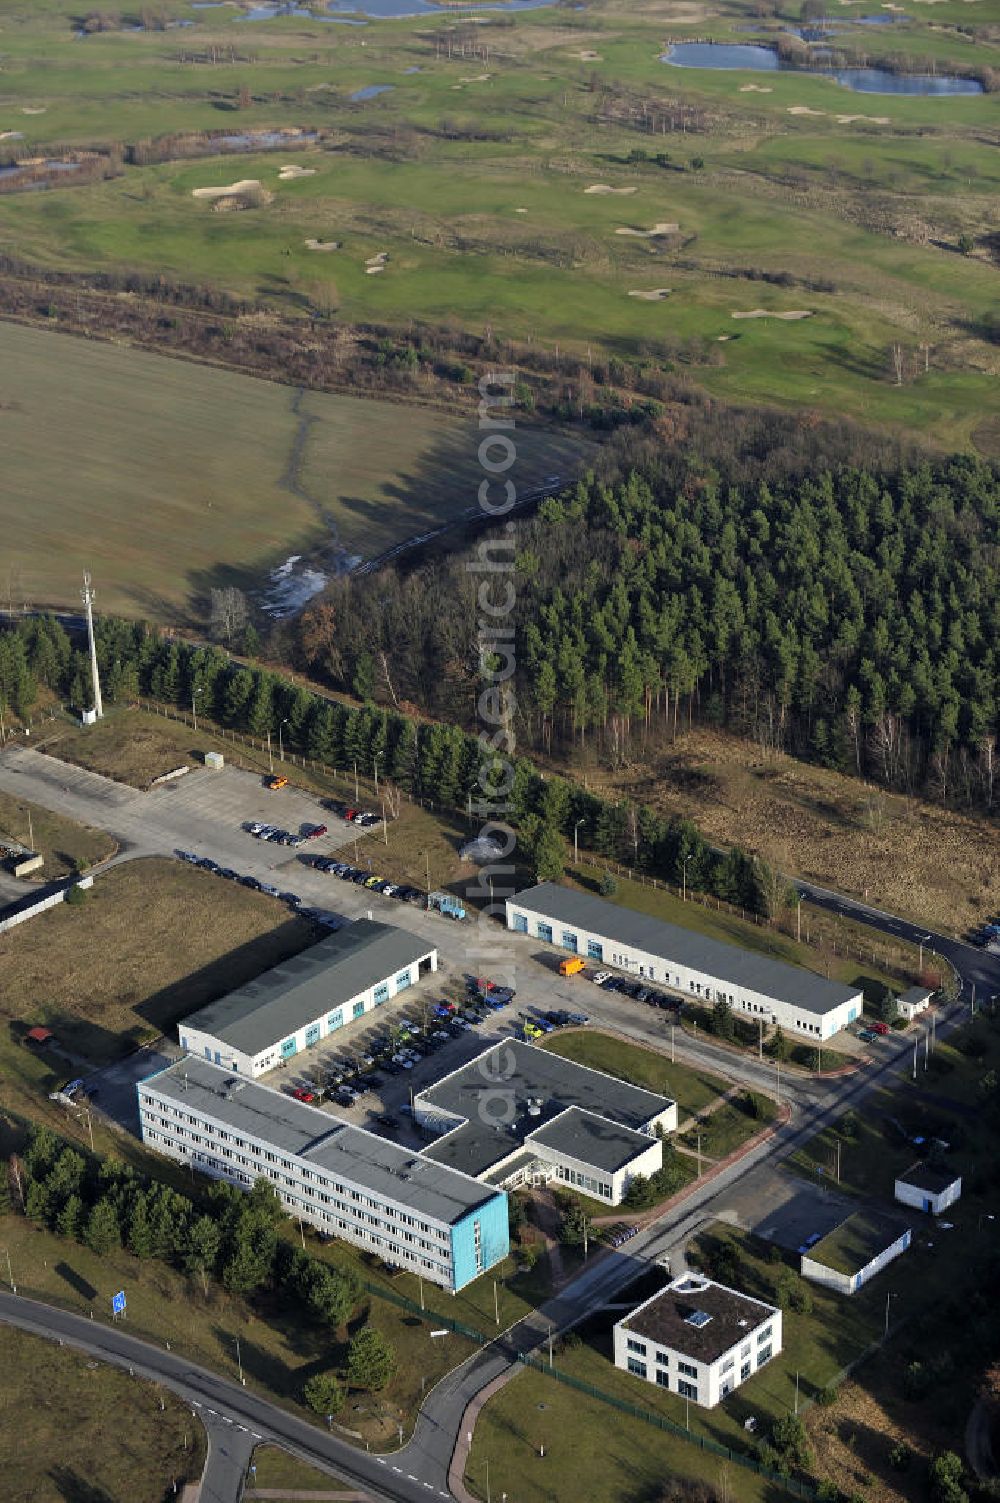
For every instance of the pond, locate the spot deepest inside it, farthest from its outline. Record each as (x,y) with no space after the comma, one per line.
(264,140)
(13,168)
(754,58)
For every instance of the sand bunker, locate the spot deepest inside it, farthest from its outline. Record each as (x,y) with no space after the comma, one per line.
(376,263)
(292,171)
(803,109)
(662,228)
(588,57)
(478,78)
(245,185)
(755,88)
(870,119)
(520,211)
(322,245)
(655,295)
(11,135)
(769,313)
(39,109)
(607,188)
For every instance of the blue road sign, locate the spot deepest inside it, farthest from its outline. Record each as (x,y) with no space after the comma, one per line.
(118,1303)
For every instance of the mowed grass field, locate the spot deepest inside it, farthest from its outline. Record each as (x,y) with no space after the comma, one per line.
(166,477)
(75,1429)
(471,172)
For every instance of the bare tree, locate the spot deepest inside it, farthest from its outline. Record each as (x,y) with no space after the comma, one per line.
(229,613)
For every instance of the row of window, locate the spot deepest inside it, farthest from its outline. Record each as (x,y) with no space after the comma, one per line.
(584,1182)
(356,1228)
(278,1169)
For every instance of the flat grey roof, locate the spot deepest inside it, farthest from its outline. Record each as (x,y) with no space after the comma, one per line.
(665,1318)
(399,1174)
(925,1177)
(512,1090)
(307,986)
(595,1140)
(713,957)
(916,994)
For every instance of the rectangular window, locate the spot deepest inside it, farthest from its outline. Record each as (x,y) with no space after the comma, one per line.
(663,1377)
(764,1335)
(688,1369)
(764,1355)
(595,949)
(744,1372)
(636,1346)
(637,1367)
(687,1390)
(357,1010)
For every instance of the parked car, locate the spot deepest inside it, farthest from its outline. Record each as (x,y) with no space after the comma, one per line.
(269,889)
(385,1120)
(599,977)
(579,1019)
(314,832)
(276,781)
(301,1094)
(867,1036)
(880,1028)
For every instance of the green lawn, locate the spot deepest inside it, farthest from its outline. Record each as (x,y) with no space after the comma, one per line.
(474,186)
(277,1468)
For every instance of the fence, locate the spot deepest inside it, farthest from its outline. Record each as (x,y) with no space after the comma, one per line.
(35,902)
(404,1302)
(797,1486)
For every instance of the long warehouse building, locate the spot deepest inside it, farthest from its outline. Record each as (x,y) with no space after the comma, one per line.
(684,960)
(306,998)
(395,1202)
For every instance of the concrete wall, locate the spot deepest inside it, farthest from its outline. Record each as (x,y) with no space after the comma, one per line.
(604,951)
(923,1200)
(832,1278)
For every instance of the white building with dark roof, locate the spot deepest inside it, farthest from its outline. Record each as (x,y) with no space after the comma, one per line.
(518,1114)
(698,1339)
(688,962)
(392,1201)
(927,1188)
(306,998)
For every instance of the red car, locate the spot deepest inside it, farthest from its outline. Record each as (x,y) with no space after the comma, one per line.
(315,832)
(350,813)
(301,1094)
(880,1028)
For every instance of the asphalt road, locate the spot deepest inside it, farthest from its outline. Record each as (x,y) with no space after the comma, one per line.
(236,1418)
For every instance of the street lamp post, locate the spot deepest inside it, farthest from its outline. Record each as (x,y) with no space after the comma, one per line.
(924,939)
(239,1363)
(375,762)
(576,843)
(10,1272)
(281,744)
(889,1296)
(684,876)
(31,833)
(195,696)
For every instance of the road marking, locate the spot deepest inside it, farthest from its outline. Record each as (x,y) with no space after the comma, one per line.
(255,1435)
(380,1460)
(398,1469)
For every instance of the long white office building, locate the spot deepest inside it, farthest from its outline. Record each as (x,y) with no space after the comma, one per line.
(306,998)
(395,1202)
(686,961)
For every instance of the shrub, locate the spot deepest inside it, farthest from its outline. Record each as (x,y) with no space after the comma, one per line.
(76,896)
(371,1361)
(900,1456)
(324,1393)
(609,886)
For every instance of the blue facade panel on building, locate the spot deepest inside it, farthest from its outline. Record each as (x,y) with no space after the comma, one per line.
(479,1240)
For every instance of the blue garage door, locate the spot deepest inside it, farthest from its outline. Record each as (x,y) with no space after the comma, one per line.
(569,940)
(288,1048)
(521,923)
(595,950)
(545,932)
(312,1034)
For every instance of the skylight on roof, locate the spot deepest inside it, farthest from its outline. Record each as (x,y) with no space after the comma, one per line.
(698,1318)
